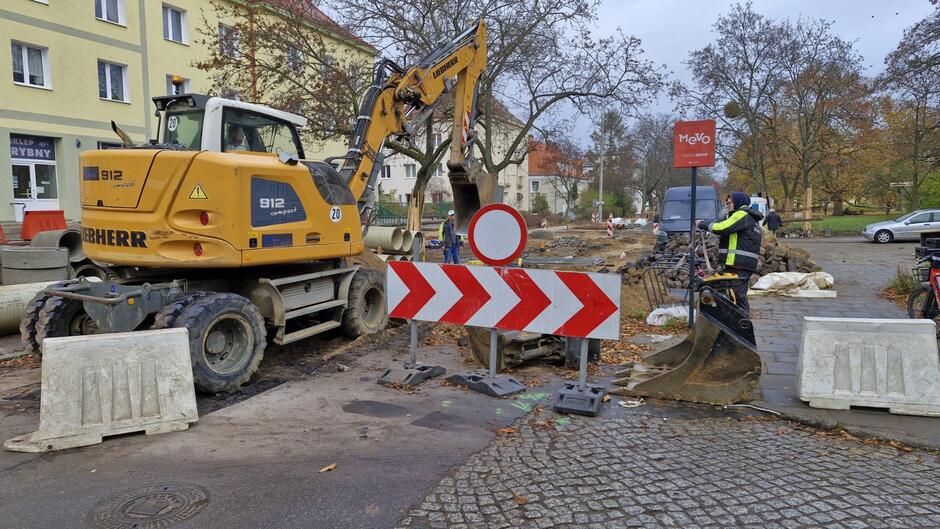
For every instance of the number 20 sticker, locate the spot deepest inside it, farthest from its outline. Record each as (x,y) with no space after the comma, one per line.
(335,214)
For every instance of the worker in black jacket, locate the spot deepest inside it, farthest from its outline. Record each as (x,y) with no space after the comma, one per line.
(773,221)
(739,243)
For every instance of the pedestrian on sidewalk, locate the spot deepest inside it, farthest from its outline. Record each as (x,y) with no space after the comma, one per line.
(450,239)
(773,221)
(739,243)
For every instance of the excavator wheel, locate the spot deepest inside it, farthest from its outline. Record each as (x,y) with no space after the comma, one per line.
(29,321)
(60,317)
(573,352)
(365,311)
(226,337)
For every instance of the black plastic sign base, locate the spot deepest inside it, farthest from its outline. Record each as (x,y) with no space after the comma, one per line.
(499,386)
(410,375)
(585,400)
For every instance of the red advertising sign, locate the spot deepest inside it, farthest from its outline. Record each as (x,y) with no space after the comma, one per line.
(694,143)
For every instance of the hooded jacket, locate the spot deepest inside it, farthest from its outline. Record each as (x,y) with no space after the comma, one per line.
(739,235)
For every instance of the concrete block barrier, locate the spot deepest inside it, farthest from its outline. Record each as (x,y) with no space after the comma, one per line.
(110,384)
(880,363)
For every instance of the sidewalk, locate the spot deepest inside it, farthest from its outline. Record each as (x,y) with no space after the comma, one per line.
(861,270)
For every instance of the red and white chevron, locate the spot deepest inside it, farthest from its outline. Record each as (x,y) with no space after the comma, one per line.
(575,304)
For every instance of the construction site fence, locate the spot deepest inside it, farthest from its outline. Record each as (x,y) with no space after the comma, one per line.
(396,213)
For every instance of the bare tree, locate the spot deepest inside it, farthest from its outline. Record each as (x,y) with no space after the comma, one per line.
(734,78)
(287,55)
(913,78)
(565,164)
(653,142)
(541,55)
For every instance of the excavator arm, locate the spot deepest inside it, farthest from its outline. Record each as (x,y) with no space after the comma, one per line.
(399,98)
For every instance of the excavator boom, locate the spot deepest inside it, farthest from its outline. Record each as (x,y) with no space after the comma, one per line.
(400,98)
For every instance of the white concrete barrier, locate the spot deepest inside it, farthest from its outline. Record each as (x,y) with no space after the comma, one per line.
(878,363)
(110,384)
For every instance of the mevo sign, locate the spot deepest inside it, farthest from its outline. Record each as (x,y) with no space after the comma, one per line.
(694,143)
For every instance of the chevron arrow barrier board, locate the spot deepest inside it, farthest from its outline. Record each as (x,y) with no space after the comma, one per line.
(578,304)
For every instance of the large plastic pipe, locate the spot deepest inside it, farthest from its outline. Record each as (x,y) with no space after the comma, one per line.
(70,239)
(13,301)
(385,238)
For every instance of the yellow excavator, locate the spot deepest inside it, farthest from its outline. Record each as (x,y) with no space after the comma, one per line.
(220,224)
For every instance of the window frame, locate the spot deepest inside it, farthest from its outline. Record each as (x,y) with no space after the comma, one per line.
(121,12)
(413,169)
(386,172)
(46,67)
(927,213)
(168,28)
(234,41)
(107,81)
(294,59)
(534,186)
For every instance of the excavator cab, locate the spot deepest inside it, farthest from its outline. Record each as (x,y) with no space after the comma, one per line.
(715,364)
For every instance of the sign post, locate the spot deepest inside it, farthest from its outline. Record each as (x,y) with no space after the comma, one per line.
(693,146)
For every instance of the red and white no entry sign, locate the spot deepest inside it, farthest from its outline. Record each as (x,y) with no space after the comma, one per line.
(497,234)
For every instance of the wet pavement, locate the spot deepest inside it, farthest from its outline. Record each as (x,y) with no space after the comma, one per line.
(861,270)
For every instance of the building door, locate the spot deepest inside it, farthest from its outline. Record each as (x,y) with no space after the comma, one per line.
(35,186)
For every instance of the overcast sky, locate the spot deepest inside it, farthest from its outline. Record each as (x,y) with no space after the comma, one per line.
(670,29)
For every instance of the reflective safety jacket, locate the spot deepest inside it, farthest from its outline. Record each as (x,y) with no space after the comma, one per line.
(739,238)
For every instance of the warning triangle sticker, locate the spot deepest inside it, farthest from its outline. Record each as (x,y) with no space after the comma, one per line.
(198,193)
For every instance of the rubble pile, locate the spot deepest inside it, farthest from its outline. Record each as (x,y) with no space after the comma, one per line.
(575,242)
(775,257)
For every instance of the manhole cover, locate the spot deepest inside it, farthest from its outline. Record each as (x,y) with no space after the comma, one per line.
(158,505)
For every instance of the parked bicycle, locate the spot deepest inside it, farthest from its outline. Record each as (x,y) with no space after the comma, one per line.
(923,303)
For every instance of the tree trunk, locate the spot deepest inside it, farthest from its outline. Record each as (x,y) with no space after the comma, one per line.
(787,208)
(415,210)
(838,207)
(808,210)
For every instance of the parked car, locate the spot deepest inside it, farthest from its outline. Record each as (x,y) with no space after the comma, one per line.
(907,227)
(675,215)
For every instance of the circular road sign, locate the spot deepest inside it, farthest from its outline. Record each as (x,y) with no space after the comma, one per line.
(497,234)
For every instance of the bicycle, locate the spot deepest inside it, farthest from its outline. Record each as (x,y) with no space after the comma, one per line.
(922,303)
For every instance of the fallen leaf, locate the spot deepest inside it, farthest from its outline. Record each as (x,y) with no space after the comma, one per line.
(94,470)
(825,453)
(328,468)
(899,446)
(520,500)
(606,398)
(506,431)
(782,430)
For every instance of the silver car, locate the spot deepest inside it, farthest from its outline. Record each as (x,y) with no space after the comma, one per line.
(907,227)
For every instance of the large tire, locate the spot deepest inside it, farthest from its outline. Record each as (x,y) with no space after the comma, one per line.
(573,352)
(63,317)
(30,320)
(365,309)
(226,338)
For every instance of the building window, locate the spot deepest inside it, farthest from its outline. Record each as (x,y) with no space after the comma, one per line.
(173,90)
(386,172)
(109,145)
(110,11)
(295,59)
(438,170)
(437,139)
(112,81)
(31,65)
(410,171)
(534,186)
(174,24)
(228,41)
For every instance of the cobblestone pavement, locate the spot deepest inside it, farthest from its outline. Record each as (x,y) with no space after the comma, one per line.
(639,470)
(861,270)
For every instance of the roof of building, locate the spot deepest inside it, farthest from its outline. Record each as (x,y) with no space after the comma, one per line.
(315,16)
(546,159)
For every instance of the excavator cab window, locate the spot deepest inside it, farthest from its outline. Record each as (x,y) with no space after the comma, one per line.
(243,130)
(183,126)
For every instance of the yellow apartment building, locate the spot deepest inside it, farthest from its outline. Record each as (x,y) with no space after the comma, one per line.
(75,65)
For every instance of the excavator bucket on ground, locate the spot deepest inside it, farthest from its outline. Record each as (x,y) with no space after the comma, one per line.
(715,364)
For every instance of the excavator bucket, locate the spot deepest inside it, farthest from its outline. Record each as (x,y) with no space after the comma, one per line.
(714,364)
